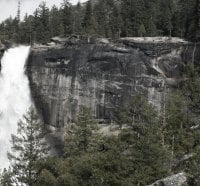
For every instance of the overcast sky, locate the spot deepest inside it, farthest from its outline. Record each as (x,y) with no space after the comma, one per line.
(9,7)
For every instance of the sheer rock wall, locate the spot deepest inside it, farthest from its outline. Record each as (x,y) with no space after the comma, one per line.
(103,75)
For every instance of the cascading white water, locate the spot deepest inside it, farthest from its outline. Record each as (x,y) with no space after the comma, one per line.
(14,97)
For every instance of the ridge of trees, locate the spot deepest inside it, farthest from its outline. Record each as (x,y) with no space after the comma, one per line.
(107,18)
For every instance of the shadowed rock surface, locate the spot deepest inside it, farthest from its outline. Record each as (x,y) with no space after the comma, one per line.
(103,75)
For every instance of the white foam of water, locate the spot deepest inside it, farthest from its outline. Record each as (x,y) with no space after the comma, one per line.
(14,97)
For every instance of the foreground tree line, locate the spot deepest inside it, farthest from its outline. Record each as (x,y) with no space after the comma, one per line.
(145,147)
(107,18)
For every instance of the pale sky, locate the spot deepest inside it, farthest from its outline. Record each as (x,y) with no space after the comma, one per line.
(9,7)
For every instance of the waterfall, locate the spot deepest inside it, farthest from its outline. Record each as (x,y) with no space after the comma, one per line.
(14,96)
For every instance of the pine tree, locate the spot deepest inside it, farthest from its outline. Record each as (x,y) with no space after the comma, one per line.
(36,26)
(111,18)
(197,21)
(115,22)
(177,124)
(151,17)
(89,21)
(108,165)
(6,178)
(26,30)
(141,30)
(67,19)
(166,14)
(19,11)
(188,17)
(148,159)
(134,157)
(56,24)
(181,130)
(136,112)
(43,31)
(182,16)
(100,12)
(28,147)
(80,136)
(192,167)
(46,178)
(133,14)
(77,19)
(142,139)
(41,25)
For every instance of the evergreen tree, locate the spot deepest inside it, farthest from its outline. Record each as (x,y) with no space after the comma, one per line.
(46,178)
(188,18)
(43,33)
(133,14)
(26,30)
(192,21)
(196,28)
(166,14)
(67,19)
(142,139)
(77,19)
(80,136)
(15,30)
(177,124)
(17,26)
(182,17)
(142,30)
(6,178)
(28,147)
(36,26)
(19,11)
(41,25)
(110,18)
(135,157)
(116,22)
(181,131)
(56,24)
(101,14)
(137,112)
(192,167)
(89,22)
(151,17)
(56,171)
(198,21)
(148,159)
(108,165)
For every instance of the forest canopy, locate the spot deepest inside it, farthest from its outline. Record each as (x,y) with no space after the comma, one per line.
(106,18)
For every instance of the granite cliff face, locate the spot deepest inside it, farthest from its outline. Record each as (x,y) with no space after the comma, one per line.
(103,75)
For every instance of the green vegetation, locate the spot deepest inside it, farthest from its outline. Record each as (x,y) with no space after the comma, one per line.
(143,149)
(148,145)
(107,18)
(28,149)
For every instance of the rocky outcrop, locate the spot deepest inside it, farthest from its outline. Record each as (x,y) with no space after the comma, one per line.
(180,179)
(103,75)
